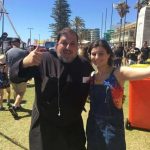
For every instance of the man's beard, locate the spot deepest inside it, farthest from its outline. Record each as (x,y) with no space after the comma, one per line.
(65,60)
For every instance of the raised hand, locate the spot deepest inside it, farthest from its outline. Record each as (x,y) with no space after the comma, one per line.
(34,58)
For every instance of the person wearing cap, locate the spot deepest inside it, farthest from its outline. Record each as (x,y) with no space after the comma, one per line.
(61,89)
(4,81)
(12,55)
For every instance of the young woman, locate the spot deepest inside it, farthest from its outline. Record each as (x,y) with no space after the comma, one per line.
(105,125)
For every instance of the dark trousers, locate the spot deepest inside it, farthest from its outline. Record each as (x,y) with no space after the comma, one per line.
(71,137)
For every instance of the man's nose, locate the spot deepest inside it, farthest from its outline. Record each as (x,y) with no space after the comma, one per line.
(67,46)
(97,56)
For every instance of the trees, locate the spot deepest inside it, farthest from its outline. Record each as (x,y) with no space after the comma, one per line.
(122,9)
(144,2)
(78,25)
(60,13)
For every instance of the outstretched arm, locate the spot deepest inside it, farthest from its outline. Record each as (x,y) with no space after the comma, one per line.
(26,67)
(128,73)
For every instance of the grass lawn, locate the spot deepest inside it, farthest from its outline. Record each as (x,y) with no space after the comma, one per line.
(14,133)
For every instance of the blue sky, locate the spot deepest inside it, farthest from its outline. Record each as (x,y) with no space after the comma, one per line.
(36,14)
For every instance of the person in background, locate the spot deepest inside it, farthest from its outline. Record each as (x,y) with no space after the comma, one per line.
(145,51)
(118,54)
(83,52)
(105,125)
(4,81)
(12,55)
(132,54)
(126,50)
(61,89)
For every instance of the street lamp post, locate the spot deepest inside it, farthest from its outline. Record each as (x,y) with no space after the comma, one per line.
(30,34)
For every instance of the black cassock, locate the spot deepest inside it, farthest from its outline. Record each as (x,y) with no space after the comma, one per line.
(61,90)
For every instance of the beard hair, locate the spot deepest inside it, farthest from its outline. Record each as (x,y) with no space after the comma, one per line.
(64,59)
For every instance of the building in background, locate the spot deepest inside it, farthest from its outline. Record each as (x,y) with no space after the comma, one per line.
(127,35)
(91,34)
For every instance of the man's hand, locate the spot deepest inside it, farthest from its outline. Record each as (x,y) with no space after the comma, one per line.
(34,58)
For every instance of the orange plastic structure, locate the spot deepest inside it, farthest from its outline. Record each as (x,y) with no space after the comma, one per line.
(139,104)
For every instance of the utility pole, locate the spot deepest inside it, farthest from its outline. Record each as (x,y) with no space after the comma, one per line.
(102,26)
(2,18)
(2,13)
(30,33)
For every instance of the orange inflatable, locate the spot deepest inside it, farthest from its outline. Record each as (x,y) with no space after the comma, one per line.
(139,104)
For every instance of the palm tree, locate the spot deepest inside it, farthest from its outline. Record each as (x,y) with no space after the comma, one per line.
(144,2)
(122,9)
(78,25)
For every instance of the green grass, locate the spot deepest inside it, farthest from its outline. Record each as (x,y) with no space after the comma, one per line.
(14,133)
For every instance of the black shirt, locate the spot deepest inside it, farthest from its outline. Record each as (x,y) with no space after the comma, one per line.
(51,74)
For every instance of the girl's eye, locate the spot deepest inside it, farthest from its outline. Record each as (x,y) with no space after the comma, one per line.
(100,54)
(93,54)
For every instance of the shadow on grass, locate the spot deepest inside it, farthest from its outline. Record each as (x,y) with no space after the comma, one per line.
(14,112)
(139,129)
(17,117)
(13,141)
(30,85)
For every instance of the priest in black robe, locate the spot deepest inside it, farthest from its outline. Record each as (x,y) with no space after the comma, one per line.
(61,89)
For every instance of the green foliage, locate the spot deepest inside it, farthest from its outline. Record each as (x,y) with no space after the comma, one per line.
(60,13)
(107,35)
(144,2)
(78,24)
(122,8)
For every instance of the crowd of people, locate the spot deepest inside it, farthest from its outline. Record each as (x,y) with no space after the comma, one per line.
(64,79)
(131,55)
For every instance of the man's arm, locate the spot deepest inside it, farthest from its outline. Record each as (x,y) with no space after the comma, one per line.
(25,68)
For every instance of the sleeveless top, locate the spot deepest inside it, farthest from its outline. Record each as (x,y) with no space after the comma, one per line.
(105,124)
(106,98)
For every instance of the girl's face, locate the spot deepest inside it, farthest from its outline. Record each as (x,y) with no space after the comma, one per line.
(99,57)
